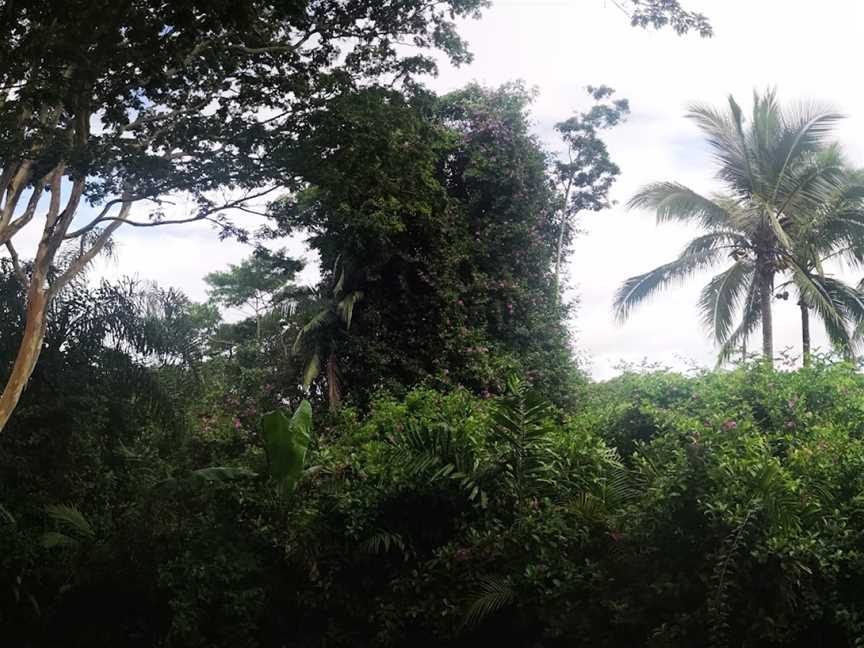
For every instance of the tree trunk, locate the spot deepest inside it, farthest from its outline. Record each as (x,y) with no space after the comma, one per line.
(28,352)
(766,289)
(805,333)
(558,260)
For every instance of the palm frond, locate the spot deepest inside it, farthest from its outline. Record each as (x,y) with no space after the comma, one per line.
(313,369)
(346,306)
(636,290)
(315,323)
(672,201)
(722,298)
(803,133)
(382,542)
(839,306)
(493,594)
(751,317)
(73,528)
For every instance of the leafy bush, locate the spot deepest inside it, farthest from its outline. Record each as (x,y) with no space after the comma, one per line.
(722,509)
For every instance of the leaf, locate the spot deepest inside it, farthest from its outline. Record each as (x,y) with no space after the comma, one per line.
(346,307)
(73,527)
(6,516)
(313,368)
(72,520)
(492,594)
(55,539)
(286,442)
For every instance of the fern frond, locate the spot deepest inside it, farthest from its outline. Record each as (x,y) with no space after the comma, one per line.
(493,593)
(382,542)
(72,520)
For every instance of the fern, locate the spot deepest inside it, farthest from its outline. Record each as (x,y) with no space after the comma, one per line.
(73,528)
(493,594)
(718,607)
(521,429)
(435,453)
(383,541)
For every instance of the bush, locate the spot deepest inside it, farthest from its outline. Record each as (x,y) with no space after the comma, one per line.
(723,509)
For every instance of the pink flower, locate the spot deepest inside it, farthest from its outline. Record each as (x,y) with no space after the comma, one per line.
(730,425)
(237,424)
(616,535)
(790,425)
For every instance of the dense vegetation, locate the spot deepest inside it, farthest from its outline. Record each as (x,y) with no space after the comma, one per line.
(663,510)
(408,451)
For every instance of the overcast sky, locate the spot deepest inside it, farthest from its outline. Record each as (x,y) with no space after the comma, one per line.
(807,50)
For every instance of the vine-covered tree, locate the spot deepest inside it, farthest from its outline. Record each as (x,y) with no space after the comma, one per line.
(438,226)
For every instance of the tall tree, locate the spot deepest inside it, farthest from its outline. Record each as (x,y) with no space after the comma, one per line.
(255,285)
(585,173)
(830,230)
(119,104)
(773,173)
(441,213)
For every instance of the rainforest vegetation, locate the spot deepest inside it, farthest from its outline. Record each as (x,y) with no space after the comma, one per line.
(408,451)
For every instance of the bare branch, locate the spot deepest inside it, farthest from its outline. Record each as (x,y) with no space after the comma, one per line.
(83,259)
(13,192)
(16,266)
(204,214)
(15,226)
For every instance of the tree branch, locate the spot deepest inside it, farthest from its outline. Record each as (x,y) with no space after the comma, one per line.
(16,266)
(15,226)
(81,262)
(201,215)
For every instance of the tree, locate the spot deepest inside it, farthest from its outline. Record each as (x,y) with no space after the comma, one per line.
(442,214)
(123,104)
(663,13)
(587,174)
(832,229)
(255,285)
(774,172)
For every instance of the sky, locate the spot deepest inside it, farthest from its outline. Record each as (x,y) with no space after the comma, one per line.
(561,46)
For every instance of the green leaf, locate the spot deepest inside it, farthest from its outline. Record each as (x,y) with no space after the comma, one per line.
(286,442)
(72,520)
(55,539)
(6,516)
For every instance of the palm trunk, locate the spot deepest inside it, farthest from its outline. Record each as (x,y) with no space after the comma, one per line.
(766,289)
(28,352)
(805,333)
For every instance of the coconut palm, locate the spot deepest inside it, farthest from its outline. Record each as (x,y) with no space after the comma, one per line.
(773,168)
(830,230)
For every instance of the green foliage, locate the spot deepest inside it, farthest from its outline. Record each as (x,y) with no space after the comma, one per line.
(73,527)
(286,442)
(438,231)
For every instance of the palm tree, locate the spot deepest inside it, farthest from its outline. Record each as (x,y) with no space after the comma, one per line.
(772,169)
(833,229)
(318,338)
